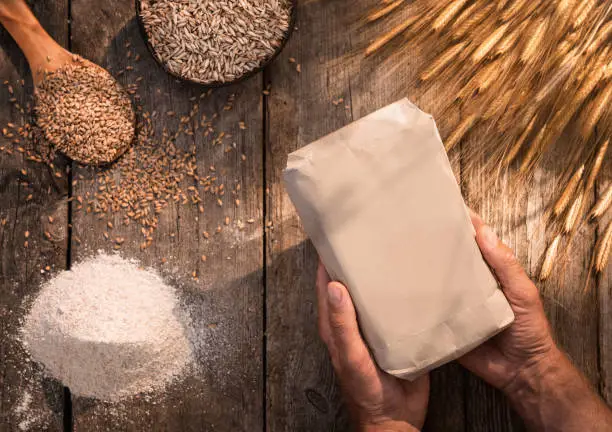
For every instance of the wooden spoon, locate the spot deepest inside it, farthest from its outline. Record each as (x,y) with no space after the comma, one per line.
(41,51)
(46,56)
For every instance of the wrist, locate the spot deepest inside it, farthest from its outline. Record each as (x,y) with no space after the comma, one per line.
(551,394)
(535,375)
(388,426)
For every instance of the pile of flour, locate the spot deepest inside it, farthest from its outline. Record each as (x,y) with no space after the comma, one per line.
(108,329)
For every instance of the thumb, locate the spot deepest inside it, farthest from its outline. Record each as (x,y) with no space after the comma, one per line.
(349,353)
(515,283)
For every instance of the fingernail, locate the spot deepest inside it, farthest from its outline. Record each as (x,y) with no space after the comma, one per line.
(334,294)
(473,214)
(489,237)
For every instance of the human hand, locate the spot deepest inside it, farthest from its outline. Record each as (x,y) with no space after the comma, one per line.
(523,361)
(377,400)
(522,348)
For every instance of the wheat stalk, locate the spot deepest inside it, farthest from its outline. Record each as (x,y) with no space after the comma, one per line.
(549,258)
(602,204)
(558,123)
(602,36)
(531,71)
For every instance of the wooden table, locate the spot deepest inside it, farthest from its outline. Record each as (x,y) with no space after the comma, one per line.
(261,362)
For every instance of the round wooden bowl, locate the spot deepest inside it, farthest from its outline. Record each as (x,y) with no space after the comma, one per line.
(216,84)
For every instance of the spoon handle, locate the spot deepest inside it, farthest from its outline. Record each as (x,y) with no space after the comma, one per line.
(36,44)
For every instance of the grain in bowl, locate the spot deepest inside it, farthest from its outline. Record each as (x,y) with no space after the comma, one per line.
(215,41)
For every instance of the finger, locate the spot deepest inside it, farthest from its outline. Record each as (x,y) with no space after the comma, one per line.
(323,321)
(487,362)
(514,281)
(349,354)
(417,395)
(476,219)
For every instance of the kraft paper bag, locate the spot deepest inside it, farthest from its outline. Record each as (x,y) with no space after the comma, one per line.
(381,205)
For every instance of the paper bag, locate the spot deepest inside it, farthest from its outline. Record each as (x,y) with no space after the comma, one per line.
(381,205)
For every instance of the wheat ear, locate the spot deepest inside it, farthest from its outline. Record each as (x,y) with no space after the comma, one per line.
(514,150)
(466,15)
(573,213)
(501,4)
(568,192)
(487,75)
(596,109)
(460,131)
(444,59)
(447,14)
(530,52)
(489,43)
(384,11)
(549,258)
(511,12)
(582,11)
(389,36)
(602,204)
(509,41)
(533,150)
(599,158)
(564,7)
(464,25)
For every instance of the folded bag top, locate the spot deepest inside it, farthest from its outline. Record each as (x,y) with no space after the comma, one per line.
(380,203)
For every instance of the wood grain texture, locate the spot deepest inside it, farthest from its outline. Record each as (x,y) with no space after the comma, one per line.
(301,392)
(29,194)
(234,296)
(224,391)
(604,296)
(487,409)
(573,313)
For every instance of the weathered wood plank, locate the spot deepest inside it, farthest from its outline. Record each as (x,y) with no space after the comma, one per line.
(604,296)
(486,408)
(28,400)
(301,393)
(571,310)
(226,301)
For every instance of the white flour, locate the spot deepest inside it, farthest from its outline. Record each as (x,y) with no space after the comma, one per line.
(108,329)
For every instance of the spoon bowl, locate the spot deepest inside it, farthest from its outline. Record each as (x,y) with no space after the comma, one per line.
(46,57)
